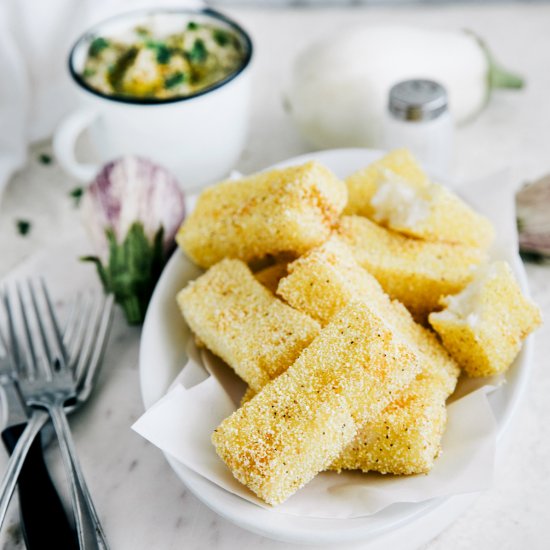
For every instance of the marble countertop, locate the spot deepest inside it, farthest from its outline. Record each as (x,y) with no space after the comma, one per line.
(142,503)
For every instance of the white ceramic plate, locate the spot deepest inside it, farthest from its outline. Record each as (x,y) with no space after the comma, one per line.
(162,354)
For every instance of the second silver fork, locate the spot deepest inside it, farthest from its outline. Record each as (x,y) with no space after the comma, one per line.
(45,375)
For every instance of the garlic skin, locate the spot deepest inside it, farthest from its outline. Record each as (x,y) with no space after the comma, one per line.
(533,217)
(128,190)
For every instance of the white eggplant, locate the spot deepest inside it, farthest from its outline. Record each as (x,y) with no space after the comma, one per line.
(339,86)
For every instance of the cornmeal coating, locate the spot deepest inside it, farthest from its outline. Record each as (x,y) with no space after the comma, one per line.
(363,185)
(415,272)
(483,327)
(406,437)
(285,211)
(322,281)
(301,421)
(270,276)
(242,322)
(431,212)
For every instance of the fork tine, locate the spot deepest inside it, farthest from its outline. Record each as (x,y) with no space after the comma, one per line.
(11,343)
(70,324)
(38,317)
(90,334)
(86,380)
(61,352)
(80,330)
(27,340)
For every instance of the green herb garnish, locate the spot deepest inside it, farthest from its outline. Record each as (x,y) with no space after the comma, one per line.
(163,54)
(23,227)
(76,194)
(221,37)
(174,79)
(192,26)
(87,72)
(97,46)
(133,269)
(44,158)
(198,52)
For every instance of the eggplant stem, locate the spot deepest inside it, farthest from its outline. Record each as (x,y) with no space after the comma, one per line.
(501,78)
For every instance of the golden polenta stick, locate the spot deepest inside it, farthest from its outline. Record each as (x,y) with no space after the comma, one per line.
(270,213)
(431,212)
(484,326)
(243,323)
(417,273)
(406,437)
(301,421)
(363,185)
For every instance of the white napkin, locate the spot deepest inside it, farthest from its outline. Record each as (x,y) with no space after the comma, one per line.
(35,87)
(467,461)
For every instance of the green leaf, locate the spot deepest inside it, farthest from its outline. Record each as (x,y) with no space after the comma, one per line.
(76,194)
(133,269)
(198,52)
(192,26)
(97,46)
(163,54)
(174,79)
(23,227)
(44,158)
(221,37)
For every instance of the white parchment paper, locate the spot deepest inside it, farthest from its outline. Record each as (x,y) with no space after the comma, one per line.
(181,422)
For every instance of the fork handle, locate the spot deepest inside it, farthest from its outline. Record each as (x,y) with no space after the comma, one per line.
(43,519)
(16,460)
(89,530)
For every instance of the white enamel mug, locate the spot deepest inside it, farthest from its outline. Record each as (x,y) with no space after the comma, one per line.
(198,137)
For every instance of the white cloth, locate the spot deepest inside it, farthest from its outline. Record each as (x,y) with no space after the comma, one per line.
(35,87)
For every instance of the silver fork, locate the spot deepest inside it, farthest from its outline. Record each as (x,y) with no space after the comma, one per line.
(47,382)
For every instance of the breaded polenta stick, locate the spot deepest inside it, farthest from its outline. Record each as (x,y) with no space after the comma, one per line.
(301,421)
(405,438)
(417,273)
(483,326)
(363,184)
(432,213)
(243,323)
(271,213)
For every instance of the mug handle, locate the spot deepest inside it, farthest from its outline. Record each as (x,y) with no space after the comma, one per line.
(64,142)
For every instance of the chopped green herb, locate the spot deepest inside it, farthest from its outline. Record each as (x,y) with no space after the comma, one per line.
(221,37)
(44,158)
(174,79)
(198,52)
(163,54)
(97,46)
(192,26)
(88,72)
(23,226)
(76,194)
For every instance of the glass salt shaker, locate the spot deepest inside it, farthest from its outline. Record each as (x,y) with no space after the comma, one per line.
(418,119)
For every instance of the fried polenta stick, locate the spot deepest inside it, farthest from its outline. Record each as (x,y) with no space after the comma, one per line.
(363,185)
(484,326)
(270,213)
(243,323)
(432,213)
(417,273)
(301,421)
(406,437)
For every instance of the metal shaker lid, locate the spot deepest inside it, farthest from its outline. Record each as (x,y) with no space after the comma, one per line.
(417,100)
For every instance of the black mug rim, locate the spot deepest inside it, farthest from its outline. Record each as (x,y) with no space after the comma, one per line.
(154,101)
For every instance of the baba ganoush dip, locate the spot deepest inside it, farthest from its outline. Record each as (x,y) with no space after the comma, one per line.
(176,65)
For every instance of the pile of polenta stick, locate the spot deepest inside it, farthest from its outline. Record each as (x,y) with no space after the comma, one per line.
(349,309)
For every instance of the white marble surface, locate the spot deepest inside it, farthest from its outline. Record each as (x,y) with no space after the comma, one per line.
(142,503)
